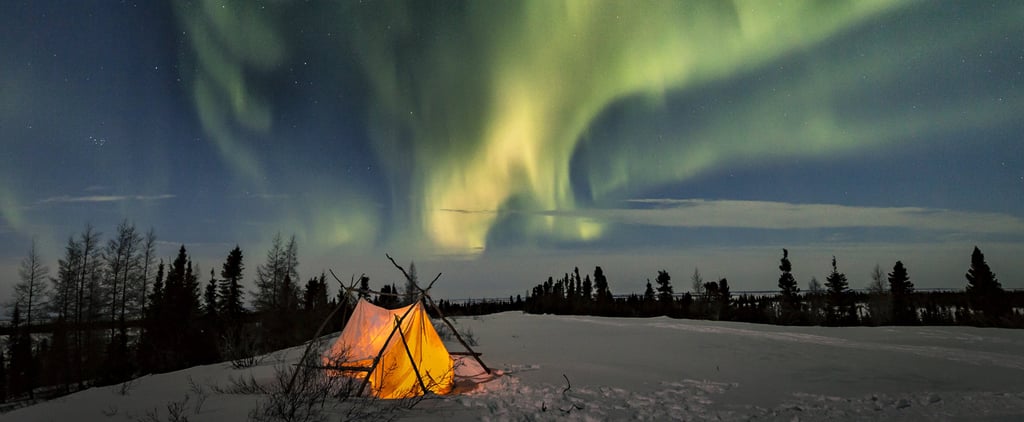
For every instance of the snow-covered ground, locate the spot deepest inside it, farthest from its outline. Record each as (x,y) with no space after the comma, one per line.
(590,368)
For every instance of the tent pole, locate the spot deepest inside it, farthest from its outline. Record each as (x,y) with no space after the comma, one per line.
(380,354)
(305,353)
(411,360)
(457,336)
(425,294)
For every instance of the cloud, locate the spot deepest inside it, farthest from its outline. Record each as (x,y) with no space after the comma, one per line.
(787,216)
(67,199)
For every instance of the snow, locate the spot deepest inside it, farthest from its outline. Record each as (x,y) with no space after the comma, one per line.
(591,368)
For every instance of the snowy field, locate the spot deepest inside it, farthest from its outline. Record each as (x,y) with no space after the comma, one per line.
(657,369)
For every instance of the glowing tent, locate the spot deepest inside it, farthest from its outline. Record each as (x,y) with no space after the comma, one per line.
(398,350)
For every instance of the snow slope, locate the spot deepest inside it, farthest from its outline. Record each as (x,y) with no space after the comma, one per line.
(590,368)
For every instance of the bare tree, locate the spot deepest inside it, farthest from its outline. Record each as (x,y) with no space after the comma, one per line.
(697,283)
(121,261)
(282,261)
(32,290)
(86,293)
(877,285)
(147,256)
(879,302)
(63,295)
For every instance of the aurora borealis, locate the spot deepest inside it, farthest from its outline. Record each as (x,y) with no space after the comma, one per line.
(480,134)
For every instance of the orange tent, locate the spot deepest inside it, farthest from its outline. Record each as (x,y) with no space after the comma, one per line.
(397,350)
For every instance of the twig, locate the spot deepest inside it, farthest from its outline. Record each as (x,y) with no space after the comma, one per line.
(573,405)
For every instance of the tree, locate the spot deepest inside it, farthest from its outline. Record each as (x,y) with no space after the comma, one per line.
(724,300)
(148,255)
(879,304)
(62,299)
(230,289)
(838,296)
(364,287)
(32,290)
(86,298)
(314,294)
(699,293)
(604,295)
(815,296)
(903,310)
(282,260)
(697,283)
(411,291)
(664,288)
(21,372)
(588,289)
(121,261)
(649,296)
(790,291)
(179,340)
(711,294)
(210,304)
(984,291)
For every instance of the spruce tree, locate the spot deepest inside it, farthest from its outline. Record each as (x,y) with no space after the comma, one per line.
(210,304)
(664,288)
(588,289)
(903,310)
(364,287)
(711,295)
(790,291)
(230,290)
(838,296)
(984,291)
(724,300)
(601,286)
(650,298)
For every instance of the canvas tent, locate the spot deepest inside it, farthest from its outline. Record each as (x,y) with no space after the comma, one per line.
(396,363)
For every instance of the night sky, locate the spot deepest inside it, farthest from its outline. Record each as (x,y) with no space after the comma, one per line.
(503,142)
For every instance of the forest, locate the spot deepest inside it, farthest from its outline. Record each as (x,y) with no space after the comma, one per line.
(890,299)
(113,311)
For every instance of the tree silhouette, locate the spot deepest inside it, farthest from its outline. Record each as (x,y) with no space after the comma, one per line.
(983,289)
(210,304)
(790,292)
(230,289)
(603,293)
(903,310)
(665,294)
(364,287)
(839,307)
(724,300)
(649,296)
(32,290)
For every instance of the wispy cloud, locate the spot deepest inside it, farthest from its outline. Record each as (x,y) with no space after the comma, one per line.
(783,216)
(67,199)
(458,211)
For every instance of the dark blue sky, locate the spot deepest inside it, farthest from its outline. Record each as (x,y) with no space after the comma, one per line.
(504,142)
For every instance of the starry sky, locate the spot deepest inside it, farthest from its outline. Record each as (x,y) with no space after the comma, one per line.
(502,142)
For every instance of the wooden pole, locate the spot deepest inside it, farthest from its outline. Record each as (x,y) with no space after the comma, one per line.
(411,360)
(440,314)
(305,353)
(475,355)
(376,360)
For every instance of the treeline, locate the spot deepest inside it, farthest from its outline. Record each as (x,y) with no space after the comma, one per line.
(890,299)
(114,311)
